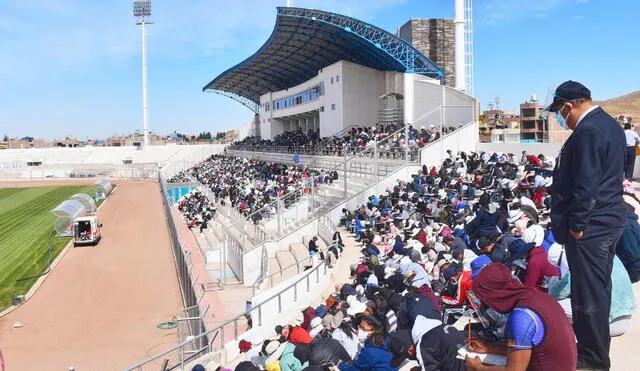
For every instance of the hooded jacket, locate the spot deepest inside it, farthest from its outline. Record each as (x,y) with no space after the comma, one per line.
(326,351)
(496,287)
(538,268)
(288,361)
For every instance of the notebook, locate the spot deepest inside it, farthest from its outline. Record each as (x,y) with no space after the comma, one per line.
(486,358)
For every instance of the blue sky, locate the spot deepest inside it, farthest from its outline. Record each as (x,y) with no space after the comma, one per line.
(72,67)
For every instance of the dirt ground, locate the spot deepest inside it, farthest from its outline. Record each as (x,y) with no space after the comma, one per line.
(99,307)
(49,182)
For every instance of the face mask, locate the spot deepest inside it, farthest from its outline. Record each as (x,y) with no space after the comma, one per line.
(362,335)
(561,120)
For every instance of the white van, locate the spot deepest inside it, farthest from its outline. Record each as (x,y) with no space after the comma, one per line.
(86,230)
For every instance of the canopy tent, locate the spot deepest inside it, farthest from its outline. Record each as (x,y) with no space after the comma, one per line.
(87,202)
(65,214)
(103,188)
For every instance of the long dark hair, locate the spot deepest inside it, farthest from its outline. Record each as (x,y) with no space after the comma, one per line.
(379,336)
(347,327)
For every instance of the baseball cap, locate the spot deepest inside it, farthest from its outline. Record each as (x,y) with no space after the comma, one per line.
(451,271)
(478,263)
(567,91)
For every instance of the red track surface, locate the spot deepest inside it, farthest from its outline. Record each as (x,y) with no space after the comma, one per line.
(99,307)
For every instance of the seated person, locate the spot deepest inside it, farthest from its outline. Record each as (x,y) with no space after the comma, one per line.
(538,270)
(538,335)
(623,302)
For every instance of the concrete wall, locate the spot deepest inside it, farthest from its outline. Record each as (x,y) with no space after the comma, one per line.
(428,97)
(332,121)
(361,88)
(465,139)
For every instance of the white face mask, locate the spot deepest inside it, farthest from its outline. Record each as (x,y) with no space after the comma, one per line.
(362,335)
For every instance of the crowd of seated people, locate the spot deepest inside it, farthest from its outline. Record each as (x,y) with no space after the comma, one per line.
(251,185)
(392,138)
(462,239)
(181,177)
(196,209)
(287,141)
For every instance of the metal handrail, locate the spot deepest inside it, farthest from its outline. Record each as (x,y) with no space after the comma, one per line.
(260,281)
(220,328)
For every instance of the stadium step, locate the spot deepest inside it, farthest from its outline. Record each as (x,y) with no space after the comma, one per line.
(300,254)
(287,263)
(274,271)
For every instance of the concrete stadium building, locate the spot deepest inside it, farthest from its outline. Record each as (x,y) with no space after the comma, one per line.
(324,71)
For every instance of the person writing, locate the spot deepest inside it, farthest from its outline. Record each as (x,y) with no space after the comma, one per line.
(538,334)
(588,213)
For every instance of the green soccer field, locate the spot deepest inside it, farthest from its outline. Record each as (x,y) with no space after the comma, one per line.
(25,225)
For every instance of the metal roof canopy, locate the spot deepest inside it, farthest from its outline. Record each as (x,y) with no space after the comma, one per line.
(304,41)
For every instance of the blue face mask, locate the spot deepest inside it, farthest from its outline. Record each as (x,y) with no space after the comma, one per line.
(561,121)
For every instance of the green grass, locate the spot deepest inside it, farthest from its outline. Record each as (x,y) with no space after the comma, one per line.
(25,225)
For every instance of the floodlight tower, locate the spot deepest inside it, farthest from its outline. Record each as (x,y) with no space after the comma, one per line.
(141,10)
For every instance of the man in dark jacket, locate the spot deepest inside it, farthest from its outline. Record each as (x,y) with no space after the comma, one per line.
(588,213)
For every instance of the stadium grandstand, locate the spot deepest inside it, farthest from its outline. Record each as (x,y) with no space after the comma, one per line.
(356,206)
(322,71)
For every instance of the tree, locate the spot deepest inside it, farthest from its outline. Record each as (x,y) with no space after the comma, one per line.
(5,138)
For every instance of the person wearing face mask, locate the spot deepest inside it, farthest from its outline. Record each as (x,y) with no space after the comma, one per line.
(375,355)
(588,213)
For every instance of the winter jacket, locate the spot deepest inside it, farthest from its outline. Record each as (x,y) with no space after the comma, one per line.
(350,344)
(289,362)
(325,351)
(299,335)
(538,268)
(414,306)
(628,248)
(464,285)
(487,222)
(371,358)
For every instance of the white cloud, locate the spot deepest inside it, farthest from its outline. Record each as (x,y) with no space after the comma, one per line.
(45,37)
(577,17)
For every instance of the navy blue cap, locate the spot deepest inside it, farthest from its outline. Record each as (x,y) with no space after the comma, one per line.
(519,248)
(568,91)
(450,272)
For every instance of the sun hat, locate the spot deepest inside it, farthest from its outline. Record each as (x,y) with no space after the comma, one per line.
(316,326)
(534,233)
(355,306)
(273,350)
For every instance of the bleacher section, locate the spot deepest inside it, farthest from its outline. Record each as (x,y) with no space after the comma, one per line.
(103,161)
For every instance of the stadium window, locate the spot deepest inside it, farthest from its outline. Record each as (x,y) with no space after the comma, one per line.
(332,80)
(321,88)
(321,108)
(337,78)
(333,107)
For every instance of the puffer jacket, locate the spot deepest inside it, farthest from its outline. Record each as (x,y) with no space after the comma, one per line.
(371,358)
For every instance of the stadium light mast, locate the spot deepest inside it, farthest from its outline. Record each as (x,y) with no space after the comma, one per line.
(141,10)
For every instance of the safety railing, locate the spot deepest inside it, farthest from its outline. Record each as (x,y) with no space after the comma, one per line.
(260,282)
(179,355)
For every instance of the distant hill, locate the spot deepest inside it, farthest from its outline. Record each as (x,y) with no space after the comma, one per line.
(628,104)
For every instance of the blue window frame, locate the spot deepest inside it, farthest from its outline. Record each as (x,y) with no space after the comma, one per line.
(300,98)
